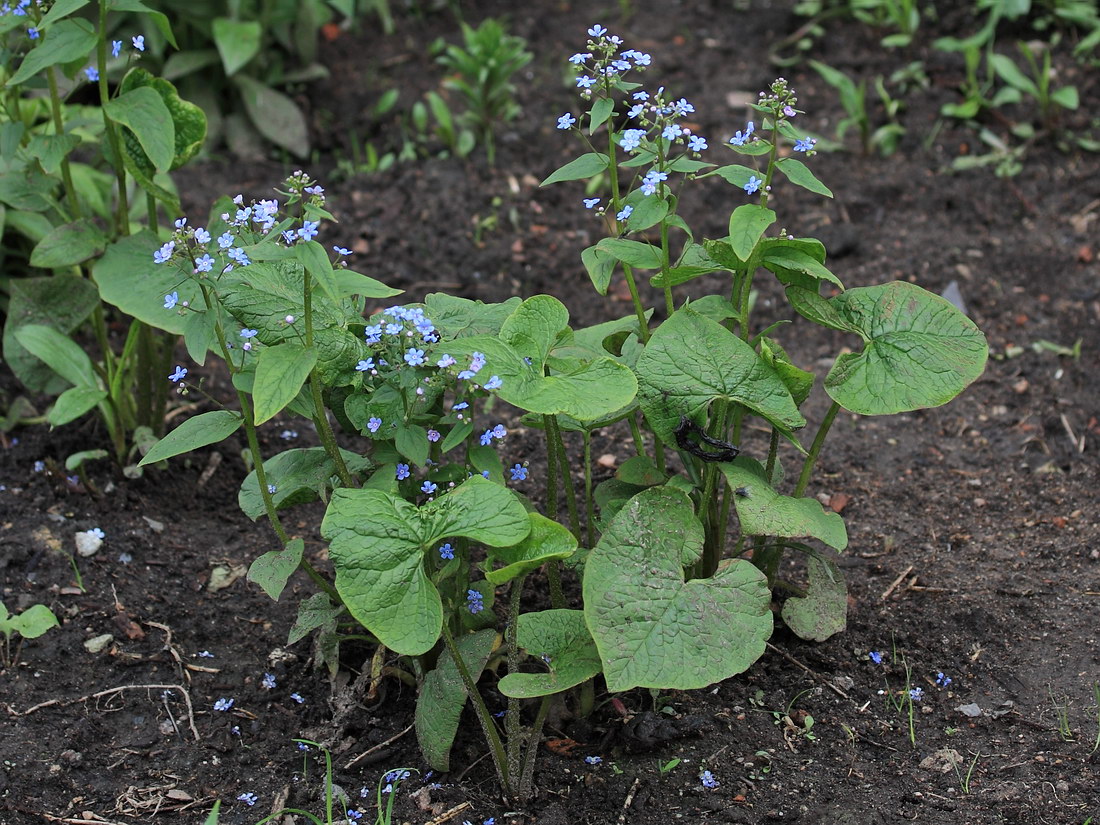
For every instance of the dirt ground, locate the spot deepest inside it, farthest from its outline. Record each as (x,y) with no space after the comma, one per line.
(975,545)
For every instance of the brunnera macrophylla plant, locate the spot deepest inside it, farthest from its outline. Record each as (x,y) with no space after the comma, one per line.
(427,524)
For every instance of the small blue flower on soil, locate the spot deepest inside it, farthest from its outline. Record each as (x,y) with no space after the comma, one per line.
(99,534)
(205,654)
(916,694)
(248,799)
(566,120)
(624,213)
(708,780)
(373,424)
(428,487)
(475,601)
(268,682)
(519,473)
(753,186)
(178,375)
(287,435)
(355,816)
(876,656)
(171,299)
(297,698)
(499,431)
(593,760)
(446,551)
(403,472)
(942,680)
(223,704)
(40,466)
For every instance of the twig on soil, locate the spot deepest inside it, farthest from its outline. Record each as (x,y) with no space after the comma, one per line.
(813,673)
(212,465)
(629,798)
(171,648)
(65,702)
(1078,444)
(72,820)
(182,410)
(896,582)
(449,815)
(377,747)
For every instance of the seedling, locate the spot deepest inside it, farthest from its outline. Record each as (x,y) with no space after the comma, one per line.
(30,624)
(1061,714)
(964,781)
(668,766)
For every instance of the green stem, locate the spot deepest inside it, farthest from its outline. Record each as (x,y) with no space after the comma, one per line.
(512,722)
(670,305)
(320,414)
(636,434)
(773,450)
(534,735)
(639,310)
(551,474)
(122,214)
(815,449)
(715,542)
(566,476)
(59,129)
(496,747)
(589,506)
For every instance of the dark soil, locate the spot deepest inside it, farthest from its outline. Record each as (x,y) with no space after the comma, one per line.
(975,545)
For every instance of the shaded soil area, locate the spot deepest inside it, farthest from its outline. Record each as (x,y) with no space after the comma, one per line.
(975,545)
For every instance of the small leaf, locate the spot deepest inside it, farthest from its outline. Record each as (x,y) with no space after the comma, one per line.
(143,112)
(583,167)
(823,612)
(562,637)
(195,432)
(274,115)
(316,611)
(315,260)
(602,109)
(68,41)
(748,223)
(412,442)
(443,696)
(60,353)
(547,541)
(299,475)
(349,282)
(73,403)
(238,41)
(69,244)
(280,373)
(273,569)
(799,174)
(633,253)
(784,259)
(33,622)
(600,265)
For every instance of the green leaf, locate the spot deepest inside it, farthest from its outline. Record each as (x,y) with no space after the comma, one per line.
(1010,73)
(68,41)
(274,115)
(59,352)
(316,611)
(59,10)
(188,122)
(648,211)
(160,20)
(51,150)
(69,244)
(583,167)
(764,512)
(315,260)
(459,433)
(412,442)
(195,432)
(280,373)
(785,259)
(377,546)
(736,174)
(691,361)
(73,403)
(129,280)
(654,629)
(809,304)
(30,624)
(799,174)
(547,541)
(919,351)
(143,112)
(299,475)
(633,253)
(61,302)
(74,461)
(641,471)
(1066,96)
(747,224)
(273,569)
(238,41)
(602,109)
(443,696)
(349,282)
(600,265)
(799,382)
(563,637)
(823,612)
(199,334)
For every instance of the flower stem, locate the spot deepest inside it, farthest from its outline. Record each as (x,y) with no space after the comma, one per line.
(815,449)
(566,476)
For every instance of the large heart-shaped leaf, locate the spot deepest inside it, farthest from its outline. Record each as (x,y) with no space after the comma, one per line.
(560,638)
(547,541)
(691,361)
(443,696)
(823,611)
(764,512)
(130,280)
(920,351)
(299,475)
(654,629)
(377,546)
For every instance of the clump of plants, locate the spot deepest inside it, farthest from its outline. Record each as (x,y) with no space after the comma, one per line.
(435,547)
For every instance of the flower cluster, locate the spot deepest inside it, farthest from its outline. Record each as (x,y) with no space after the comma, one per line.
(475,602)
(708,780)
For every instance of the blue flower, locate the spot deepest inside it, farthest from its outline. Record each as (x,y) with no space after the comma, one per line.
(365,364)
(428,487)
(484,473)
(631,139)
(445,361)
(171,300)
(204,264)
(288,435)
(223,704)
(302,746)
(92,73)
(753,185)
(178,375)
(373,424)
(202,236)
(249,333)
(671,132)
(589,203)
(566,120)
(403,472)
(341,251)
(640,96)
(268,682)
(876,657)
(624,213)
(708,780)
(942,680)
(164,254)
(271,488)
(682,107)
(373,334)
(486,438)
(99,534)
(446,551)
(32,33)
(916,694)
(741,138)
(494,383)
(239,255)
(597,31)
(641,58)
(355,816)
(394,329)
(225,240)
(414,357)
(308,230)
(579,58)
(636,110)
(139,42)
(805,144)
(697,143)
(789,112)
(593,760)
(297,698)
(248,799)
(116,47)
(584,81)
(460,406)
(475,602)
(499,431)
(519,473)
